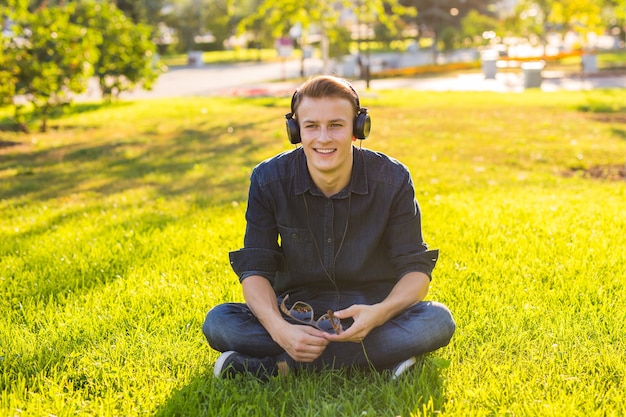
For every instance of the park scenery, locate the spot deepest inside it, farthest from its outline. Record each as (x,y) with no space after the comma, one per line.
(116,226)
(117,216)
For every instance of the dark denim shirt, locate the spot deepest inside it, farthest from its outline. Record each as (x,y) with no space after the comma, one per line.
(365,238)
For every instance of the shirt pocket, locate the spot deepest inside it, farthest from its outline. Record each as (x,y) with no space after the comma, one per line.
(298,250)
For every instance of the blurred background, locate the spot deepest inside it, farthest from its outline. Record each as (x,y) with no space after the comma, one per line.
(53,50)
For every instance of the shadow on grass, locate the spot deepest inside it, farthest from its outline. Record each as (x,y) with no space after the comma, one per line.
(609,109)
(342,392)
(205,162)
(52,275)
(7,143)
(620,133)
(205,165)
(609,103)
(33,119)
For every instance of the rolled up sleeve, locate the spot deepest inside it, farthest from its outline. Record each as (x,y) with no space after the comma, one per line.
(255,261)
(422,262)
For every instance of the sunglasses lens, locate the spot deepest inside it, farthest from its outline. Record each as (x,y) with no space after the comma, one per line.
(301,311)
(325,325)
(329,325)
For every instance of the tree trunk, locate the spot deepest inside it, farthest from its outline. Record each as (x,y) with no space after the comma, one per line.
(44,118)
(19,123)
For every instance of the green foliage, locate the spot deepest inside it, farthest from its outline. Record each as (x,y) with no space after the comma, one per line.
(54,59)
(475,24)
(126,52)
(14,9)
(194,18)
(114,241)
(246,21)
(7,75)
(339,41)
(56,49)
(450,38)
(8,70)
(582,16)
(142,11)
(280,15)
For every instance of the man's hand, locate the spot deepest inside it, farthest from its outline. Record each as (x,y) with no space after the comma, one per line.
(303,343)
(366,318)
(410,289)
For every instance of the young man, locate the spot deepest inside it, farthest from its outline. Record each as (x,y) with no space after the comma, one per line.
(334,269)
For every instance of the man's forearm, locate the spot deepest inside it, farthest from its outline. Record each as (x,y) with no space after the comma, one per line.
(261,299)
(412,288)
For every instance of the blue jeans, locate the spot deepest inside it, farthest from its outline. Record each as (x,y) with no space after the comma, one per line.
(422,328)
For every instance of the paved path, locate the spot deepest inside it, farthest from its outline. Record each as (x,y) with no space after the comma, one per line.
(214,80)
(503,82)
(265,79)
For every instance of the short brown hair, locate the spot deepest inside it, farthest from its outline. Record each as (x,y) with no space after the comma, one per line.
(326,86)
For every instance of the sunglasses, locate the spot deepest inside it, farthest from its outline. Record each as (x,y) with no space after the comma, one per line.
(303,313)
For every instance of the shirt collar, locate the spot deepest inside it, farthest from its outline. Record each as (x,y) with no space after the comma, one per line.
(358,185)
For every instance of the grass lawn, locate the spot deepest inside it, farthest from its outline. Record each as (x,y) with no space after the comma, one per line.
(116,225)
(232,56)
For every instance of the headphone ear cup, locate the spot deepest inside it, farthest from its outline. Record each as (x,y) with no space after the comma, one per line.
(293,131)
(362,125)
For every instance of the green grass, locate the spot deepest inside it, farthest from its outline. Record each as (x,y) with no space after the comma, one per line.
(612,59)
(607,61)
(116,225)
(230,56)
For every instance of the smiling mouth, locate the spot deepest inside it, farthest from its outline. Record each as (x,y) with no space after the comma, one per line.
(325,151)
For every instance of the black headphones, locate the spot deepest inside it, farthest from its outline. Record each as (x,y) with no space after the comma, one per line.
(361,126)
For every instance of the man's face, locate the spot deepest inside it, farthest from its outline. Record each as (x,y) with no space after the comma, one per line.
(326,132)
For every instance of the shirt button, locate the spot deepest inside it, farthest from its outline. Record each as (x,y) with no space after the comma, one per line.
(329,240)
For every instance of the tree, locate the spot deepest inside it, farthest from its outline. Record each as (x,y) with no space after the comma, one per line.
(143,11)
(255,25)
(196,20)
(53,59)
(127,55)
(7,72)
(615,16)
(282,15)
(11,11)
(581,13)
(474,24)
(42,4)
(55,49)
(434,15)
(583,16)
(449,38)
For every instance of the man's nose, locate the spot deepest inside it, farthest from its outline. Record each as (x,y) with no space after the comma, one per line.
(324,134)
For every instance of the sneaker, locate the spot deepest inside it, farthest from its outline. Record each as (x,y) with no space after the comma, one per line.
(231,364)
(402,367)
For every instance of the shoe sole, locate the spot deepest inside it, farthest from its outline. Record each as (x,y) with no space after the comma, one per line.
(219,364)
(403,367)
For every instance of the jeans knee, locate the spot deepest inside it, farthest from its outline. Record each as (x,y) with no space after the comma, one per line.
(447,325)
(206,325)
(211,327)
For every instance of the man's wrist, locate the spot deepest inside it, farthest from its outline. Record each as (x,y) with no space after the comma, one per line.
(275,326)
